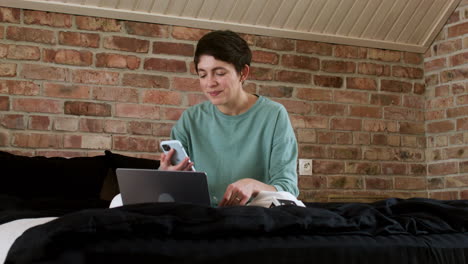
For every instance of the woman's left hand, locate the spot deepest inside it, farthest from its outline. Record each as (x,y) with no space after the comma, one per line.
(239,192)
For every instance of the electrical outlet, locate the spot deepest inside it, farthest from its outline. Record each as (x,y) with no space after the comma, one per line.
(305,167)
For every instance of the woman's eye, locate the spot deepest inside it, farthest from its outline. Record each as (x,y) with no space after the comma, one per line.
(220,73)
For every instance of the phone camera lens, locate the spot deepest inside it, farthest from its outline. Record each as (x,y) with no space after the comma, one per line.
(166,147)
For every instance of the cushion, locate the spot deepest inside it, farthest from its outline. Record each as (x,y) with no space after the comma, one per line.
(33,177)
(110,187)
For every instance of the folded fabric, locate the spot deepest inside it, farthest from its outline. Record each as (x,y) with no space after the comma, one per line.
(272,199)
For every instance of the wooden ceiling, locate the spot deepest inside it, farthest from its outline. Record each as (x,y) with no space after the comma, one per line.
(406,25)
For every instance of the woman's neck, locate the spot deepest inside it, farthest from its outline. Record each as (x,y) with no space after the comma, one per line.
(244,102)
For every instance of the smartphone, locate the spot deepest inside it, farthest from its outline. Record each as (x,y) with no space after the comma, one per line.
(179,155)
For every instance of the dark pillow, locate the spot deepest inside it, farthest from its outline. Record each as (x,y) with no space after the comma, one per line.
(34,177)
(110,187)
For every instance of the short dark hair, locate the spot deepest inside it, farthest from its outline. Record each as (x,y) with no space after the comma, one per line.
(226,46)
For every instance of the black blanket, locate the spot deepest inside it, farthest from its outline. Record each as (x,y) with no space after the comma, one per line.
(389,231)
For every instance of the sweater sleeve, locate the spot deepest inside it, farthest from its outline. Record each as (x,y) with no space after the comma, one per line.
(283,159)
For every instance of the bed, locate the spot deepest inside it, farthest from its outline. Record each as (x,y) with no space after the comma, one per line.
(83,230)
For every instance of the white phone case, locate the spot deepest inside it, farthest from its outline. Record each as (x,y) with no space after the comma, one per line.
(179,154)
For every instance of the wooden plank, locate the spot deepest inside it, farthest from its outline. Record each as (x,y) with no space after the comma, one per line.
(268,12)
(390,19)
(365,17)
(414,21)
(324,16)
(339,16)
(351,18)
(377,20)
(402,21)
(311,15)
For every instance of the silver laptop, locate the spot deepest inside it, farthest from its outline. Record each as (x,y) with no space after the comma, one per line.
(153,186)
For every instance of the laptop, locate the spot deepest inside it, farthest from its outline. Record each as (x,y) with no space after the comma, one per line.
(154,186)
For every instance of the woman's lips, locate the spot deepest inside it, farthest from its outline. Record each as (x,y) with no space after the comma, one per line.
(215,93)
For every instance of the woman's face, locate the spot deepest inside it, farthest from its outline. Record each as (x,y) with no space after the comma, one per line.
(219,81)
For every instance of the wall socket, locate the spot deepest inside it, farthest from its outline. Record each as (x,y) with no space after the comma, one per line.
(305,167)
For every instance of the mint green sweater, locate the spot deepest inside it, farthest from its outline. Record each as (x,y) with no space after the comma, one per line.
(258,144)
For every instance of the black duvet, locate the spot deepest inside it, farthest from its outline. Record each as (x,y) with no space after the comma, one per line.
(390,231)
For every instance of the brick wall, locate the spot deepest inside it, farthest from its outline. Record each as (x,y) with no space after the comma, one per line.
(74,86)
(446,72)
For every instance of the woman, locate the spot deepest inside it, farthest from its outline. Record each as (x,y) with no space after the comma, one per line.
(244,142)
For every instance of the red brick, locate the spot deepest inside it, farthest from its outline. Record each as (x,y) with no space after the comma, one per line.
(89,40)
(166,65)
(459,59)
(69,57)
(65,124)
(184,33)
(91,125)
(458,30)
(39,123)
(447,47)
(327,167)
(293,77)
(171,113)
(66,91)
(346,124)
(115,126)
(446,195)
(345,182)
(385,99)
(147,29)
(162,97)
(432,79)
(126,44)
(361,139)
(98,24)
(347,153)
(442,91)
(40,72)
(454,75)
(19,87)
(351,97)
(37,105)
(394,169)
(455,17)
(458,88)
(313,94)
(12,121)
(295,107)
(457,112)
(412,128)
(112,60)
(31,35)
(261,74)
(330,109)
(338,66)
(412,101)
(276,91)
(95,77)
(366,111)
(326,137)
(87,109)
(344,138)
(397,113)
(306,135)
(435,64)
(300,121)
(3,48)
(361,83)
(137,111)
(413,58)
(462,99)
(407,183)
(162,129)
(407,72)
(384,55)
(418,169)
(463,167)
(373,69)
(88,141)
(194,99)
(140,128)
(172,48)
(362,168)
(47,19)
(441,127)
(328,81)
(352,52)
(456,152)
(10,15)
(376,153)
(2,33)
(462,124)
(7,69)
(319,48)
(442,102)
(312,182)
(21,52)
(444,168)
(379,183)
(266,57)
(379,139)
(274,43)
(186,84)
(135,144)
(119,94)
(35,140)
(419,88)
(4,103)
(145,80)
(300,62)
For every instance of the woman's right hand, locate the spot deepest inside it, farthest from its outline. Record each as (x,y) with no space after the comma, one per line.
(165,163)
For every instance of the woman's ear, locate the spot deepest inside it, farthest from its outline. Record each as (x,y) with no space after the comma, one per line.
(244,73)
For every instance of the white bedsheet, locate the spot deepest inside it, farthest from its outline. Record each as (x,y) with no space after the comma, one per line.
(10,231)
